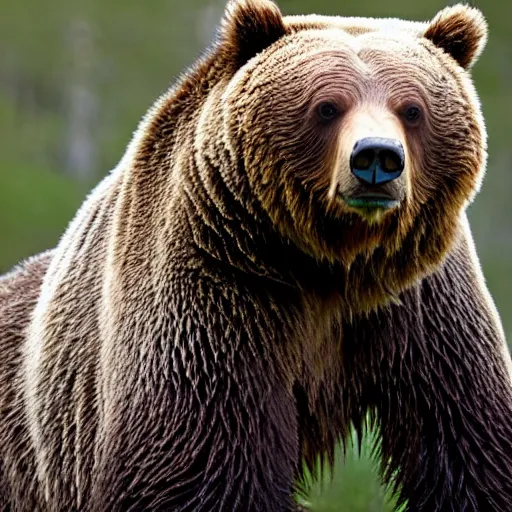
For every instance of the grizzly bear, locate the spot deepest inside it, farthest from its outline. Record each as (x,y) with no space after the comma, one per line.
(282,254)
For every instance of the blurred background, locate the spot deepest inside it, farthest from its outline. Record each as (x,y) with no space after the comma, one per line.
(75,78)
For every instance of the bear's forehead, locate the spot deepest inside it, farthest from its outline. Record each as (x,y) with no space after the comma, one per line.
(388,42)
(357,54)
(359,36)
(372,53)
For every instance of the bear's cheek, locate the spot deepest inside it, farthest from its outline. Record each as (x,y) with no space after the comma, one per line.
(295,157)
(444,168)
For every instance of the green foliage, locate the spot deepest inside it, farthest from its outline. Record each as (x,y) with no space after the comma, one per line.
(354,486)
(35,207)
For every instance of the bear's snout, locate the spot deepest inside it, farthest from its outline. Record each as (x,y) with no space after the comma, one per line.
(376,160)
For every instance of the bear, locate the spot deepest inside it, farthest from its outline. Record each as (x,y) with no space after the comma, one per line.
(282,254)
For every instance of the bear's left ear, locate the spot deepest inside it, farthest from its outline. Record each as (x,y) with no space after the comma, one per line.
(248,27)
(461,31)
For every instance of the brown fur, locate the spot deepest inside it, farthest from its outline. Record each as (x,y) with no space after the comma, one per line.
(215,316)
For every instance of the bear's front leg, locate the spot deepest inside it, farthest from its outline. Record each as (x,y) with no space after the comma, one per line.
(200,422)
(441,386)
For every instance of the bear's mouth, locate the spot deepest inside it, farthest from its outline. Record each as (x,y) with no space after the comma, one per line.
(371,201)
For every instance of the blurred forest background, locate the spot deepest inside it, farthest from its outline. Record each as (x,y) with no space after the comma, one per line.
(75,78)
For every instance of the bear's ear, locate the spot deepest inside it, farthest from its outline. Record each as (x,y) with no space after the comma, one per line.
(248,27)
(460,31)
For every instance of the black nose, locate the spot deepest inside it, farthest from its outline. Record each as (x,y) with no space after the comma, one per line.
(375,160)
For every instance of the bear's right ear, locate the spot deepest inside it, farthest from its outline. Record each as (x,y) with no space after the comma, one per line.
(248,27)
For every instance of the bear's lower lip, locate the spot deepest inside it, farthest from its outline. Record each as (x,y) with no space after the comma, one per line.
(371,202)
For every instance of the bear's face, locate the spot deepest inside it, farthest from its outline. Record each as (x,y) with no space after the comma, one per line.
(351,129)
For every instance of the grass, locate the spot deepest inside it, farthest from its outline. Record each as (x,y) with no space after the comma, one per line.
(354,485)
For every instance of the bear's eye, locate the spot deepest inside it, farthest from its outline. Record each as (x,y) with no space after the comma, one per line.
(327,111)
(412,114)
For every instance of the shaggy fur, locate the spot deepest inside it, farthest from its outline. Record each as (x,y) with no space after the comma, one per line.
(216,315)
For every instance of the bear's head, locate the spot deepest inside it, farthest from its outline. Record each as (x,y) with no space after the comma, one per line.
(358,137)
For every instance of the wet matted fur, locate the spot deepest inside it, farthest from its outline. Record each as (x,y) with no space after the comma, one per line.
(215,316)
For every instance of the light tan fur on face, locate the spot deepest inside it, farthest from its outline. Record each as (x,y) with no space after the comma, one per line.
(364,121)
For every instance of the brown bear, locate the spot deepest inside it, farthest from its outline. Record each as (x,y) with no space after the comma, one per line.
(282,253)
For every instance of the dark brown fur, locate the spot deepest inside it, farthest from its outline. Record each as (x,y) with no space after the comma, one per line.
(213,319)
